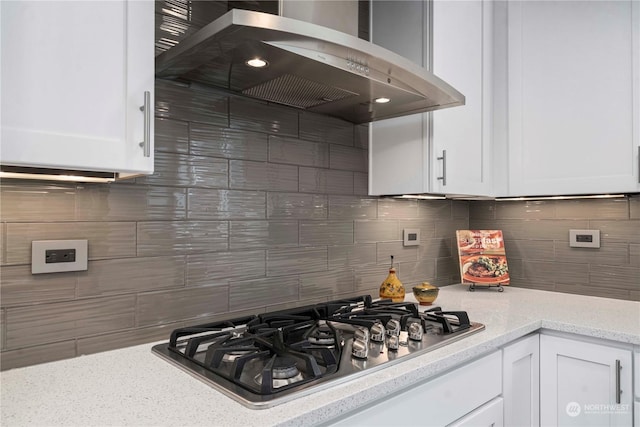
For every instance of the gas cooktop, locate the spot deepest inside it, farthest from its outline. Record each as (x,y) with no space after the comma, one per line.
(267,359)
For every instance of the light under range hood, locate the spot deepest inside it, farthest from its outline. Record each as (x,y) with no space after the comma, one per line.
(308,66)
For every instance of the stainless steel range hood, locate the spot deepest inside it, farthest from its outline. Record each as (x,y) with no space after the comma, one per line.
(310,67)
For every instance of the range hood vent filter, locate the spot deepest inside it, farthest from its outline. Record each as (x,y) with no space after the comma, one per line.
(297,92)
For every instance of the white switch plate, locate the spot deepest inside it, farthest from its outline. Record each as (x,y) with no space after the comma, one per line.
(411,237)
(39,250)
(584,238)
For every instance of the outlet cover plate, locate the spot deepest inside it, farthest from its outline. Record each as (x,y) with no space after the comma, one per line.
(411,237)
(584,238)
(39,250)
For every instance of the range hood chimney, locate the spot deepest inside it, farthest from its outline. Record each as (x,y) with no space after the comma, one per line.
(305,65)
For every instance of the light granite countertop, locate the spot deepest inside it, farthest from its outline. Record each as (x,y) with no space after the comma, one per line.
(133,387)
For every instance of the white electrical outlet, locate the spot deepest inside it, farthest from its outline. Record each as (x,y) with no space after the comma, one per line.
(584,238)
(55,256)
(411,237)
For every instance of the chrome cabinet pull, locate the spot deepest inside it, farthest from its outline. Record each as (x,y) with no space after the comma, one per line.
(443,178)
(618,391)
(146,109)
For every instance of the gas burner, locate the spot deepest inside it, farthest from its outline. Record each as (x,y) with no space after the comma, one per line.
(283,372)
(322,335)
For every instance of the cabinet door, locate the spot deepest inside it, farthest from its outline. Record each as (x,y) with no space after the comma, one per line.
(581,385)
(574,103)
(398,148)
(489,415)
(521,382)
(462,56)
(73,81)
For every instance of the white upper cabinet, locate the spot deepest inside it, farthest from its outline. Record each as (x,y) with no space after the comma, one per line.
(462,136)
(74,76)
(399,148)
(406,156)
(574,97)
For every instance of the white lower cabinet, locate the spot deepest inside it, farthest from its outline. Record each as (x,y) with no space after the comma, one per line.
(537,380)
(489,415)
(440,401)
(520,382)
(584,384)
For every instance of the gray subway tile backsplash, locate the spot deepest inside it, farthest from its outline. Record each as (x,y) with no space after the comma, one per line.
(253,207)
(348,158)
(352,207)
(263,292)
(47,323)
(262,234)
(196,104)
(282,262)
(617,231)
(617,209)
(225,204)
(128,202)
(38,354)
(227,143)
(249,175)
(352,256)
(186,171)
(296,206)
(20,287)
(326,181)
(298,152)
(400,253)
(171,136)
(37,201)
(258,116)
(325,233)
(203,269)
(326,129)
(367,231)
(360,183)
(326,284)
(395,208)
(181,237)
(155,308)
(131,275)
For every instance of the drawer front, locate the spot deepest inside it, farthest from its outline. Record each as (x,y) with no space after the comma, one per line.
(439,401)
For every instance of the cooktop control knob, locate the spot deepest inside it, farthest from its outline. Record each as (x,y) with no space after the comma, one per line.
(393,342)
(393,328)
(377,332)
(414,330)
(361,334)
(360,349)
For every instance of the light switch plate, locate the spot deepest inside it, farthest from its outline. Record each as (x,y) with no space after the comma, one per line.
(584,238)
(55,256)
(411,237)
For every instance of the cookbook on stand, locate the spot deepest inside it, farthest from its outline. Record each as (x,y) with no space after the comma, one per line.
(482,258)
